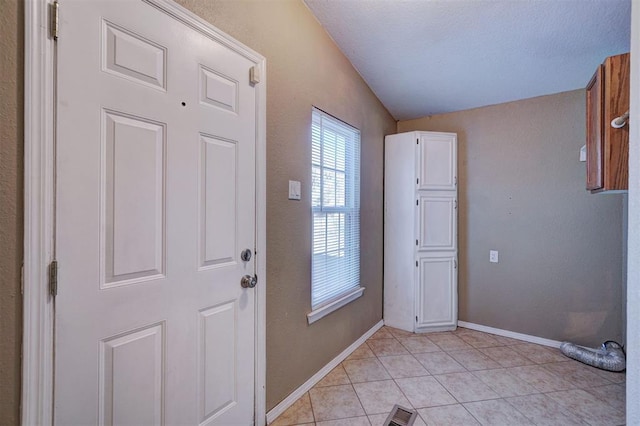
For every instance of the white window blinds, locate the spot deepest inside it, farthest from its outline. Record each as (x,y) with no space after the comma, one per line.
(335,203)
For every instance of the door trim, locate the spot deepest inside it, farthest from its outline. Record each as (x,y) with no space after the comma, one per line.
(39,208)
(37,335)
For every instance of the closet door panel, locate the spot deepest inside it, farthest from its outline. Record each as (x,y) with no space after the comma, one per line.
(436,295)
(437,159)
(436,222)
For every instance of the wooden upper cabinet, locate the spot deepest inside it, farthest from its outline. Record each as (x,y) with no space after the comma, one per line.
(608,147)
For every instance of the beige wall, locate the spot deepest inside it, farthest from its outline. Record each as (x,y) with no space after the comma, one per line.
(11,169)
(521,192)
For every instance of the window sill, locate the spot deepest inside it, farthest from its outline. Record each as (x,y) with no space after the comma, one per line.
(325,310)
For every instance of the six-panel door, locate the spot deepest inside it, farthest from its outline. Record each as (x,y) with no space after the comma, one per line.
(155,202)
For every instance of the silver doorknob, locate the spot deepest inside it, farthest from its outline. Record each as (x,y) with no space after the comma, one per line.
(249,281)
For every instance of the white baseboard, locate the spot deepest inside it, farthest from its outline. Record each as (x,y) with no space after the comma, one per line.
(306,386)
(511,334)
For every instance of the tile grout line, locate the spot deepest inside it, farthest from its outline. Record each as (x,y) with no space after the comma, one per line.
(521,412)
(470,413)
(351,382)
(359,401)
(313,412)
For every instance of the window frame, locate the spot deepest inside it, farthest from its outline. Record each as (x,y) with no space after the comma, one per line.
(350,209)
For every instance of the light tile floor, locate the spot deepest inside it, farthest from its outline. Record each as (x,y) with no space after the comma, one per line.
(463,377)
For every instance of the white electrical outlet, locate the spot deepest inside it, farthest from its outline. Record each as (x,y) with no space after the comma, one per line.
(493,256)
(294,190)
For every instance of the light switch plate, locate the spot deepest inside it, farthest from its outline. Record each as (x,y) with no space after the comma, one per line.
(294,190)
(493,256)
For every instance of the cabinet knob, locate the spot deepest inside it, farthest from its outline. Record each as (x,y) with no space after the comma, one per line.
(620,122)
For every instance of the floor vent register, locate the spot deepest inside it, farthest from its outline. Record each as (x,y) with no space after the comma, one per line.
(400,416)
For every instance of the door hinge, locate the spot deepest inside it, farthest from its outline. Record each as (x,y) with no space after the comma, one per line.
(416,242)
(417,181)
(416,263)
(416,318)
(416,202)
(417,141)
(55,6)
(53,278)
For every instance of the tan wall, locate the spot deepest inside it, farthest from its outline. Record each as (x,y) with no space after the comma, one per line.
(11,170)
(521,192)
(304,68)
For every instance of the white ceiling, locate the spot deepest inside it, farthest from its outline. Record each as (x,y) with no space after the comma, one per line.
(424,57)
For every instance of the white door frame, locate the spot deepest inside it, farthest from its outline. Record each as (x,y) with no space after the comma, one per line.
(39,208)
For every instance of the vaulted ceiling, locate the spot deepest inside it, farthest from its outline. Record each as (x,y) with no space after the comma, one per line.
(424,57)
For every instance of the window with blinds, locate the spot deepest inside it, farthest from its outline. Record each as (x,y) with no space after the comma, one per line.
(335,203)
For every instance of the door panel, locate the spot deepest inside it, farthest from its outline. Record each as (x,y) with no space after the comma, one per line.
(131,56)
(217,367)
(130,390)
(437,222)
(218,177)
(437,162)
(155,200)
(437,300)
(134,199)
(218,90)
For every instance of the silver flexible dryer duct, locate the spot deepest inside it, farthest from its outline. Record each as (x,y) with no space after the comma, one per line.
(609,356)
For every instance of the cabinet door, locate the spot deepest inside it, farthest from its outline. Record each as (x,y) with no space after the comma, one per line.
(437,294)
(608,147)
(437,221)
(437,162)
(616,141)
(594,131)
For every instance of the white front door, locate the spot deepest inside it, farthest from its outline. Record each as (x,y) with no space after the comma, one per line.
(156,189)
